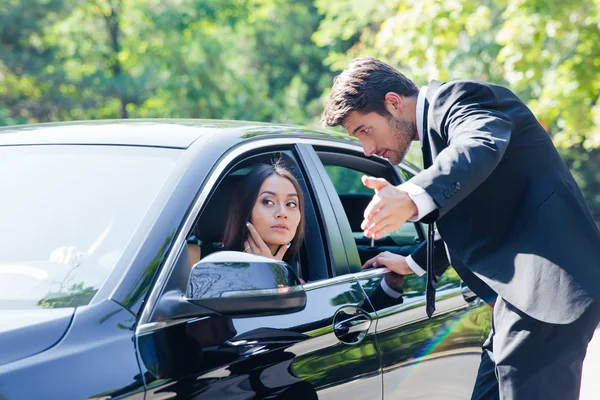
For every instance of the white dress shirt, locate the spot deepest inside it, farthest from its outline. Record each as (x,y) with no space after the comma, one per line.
(419,196)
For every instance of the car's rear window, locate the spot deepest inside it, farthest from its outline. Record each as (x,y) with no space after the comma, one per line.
(67,212)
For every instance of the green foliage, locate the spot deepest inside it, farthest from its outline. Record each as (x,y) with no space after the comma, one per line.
(231,59)
(274,60)
(74,296)
(548,52)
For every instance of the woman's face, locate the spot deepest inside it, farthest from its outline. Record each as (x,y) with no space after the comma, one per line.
(276,212)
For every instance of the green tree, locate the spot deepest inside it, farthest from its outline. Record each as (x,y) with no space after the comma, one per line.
(548,52)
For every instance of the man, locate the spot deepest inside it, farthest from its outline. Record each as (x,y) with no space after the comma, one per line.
(506,207)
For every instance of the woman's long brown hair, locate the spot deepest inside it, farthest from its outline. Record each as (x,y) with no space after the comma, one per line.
(243,203)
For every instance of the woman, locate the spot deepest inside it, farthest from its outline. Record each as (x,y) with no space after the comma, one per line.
(267,217)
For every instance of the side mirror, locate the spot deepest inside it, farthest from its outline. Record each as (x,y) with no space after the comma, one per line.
(238,284)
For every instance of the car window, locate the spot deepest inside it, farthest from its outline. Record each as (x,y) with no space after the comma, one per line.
(354,197)
(348,185)
(68,212)
(207,233)
(346,180)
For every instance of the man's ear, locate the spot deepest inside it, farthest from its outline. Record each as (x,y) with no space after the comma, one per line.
(394,103)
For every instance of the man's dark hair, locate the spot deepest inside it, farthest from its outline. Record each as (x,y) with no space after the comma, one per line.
(362,86)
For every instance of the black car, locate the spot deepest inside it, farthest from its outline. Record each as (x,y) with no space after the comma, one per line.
(124,318)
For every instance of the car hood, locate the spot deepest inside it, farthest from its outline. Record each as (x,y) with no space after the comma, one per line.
(24,333)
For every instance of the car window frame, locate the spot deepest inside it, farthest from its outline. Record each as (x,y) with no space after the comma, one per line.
(311,260)
(174,255)
(359,160)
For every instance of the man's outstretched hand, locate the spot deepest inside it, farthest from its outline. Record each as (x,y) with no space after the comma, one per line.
(389,209)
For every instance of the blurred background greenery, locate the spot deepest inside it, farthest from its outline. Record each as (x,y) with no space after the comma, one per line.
(274,60)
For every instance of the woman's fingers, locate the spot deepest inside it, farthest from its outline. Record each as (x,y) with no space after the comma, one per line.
(281,252)
(254,235)
(253,247)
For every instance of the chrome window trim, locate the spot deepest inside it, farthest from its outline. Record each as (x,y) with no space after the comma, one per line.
(370,272)
(329,282)
(153,326)
(260,292)
(235,152)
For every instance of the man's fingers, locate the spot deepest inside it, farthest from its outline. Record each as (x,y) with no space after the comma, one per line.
(384,223)
(382,231)
(372,208)
(381,202)
(381,228)
(396,263)
(383,216)
(370,263)
(374,183)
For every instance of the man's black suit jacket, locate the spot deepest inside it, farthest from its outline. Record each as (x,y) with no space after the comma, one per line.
(508,207)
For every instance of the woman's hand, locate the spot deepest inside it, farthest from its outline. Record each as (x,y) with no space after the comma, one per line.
(256,245)
(393,262)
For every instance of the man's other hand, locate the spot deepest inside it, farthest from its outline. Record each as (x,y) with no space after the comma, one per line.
(389,209)
(393,262)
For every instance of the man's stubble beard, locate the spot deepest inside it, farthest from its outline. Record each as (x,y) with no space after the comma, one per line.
(404,132)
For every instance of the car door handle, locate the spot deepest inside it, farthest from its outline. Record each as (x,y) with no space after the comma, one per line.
(356,324)
(351,325)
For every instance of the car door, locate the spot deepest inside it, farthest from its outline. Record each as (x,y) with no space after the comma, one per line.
(327,350)
(421,358)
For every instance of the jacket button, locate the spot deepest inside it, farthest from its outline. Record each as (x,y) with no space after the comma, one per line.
(457,185)
(447,194)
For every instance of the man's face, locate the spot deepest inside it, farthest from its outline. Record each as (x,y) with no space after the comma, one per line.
(382,136)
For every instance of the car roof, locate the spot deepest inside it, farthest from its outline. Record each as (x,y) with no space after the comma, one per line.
(174,133)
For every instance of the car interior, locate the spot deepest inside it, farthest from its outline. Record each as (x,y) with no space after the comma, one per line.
(345,171)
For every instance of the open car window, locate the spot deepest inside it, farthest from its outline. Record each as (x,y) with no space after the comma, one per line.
(354,195)
(206,236)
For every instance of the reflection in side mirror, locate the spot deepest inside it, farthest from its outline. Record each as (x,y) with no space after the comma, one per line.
(239,284)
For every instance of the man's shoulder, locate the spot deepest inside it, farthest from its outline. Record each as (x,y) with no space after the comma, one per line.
(445,93)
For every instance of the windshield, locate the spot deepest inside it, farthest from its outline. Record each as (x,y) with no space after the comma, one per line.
(66,215)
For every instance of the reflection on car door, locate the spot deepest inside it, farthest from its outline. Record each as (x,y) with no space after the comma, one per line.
(315,352)
(421,358)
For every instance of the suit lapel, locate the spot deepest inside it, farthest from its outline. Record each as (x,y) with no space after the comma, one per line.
(428,151)
(427,162)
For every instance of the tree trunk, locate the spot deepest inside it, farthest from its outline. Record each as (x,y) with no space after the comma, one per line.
(112,22)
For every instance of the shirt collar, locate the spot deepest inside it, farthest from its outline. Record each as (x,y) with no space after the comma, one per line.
(420,111)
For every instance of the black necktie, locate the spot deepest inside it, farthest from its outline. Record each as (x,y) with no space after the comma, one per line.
(431,279)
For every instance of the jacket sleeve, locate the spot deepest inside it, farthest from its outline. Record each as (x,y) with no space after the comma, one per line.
(440,258)
(467,118)
(380,299)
